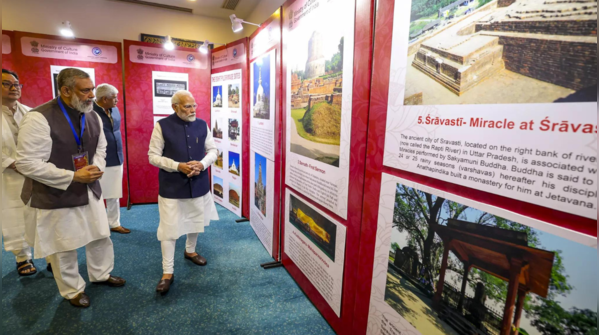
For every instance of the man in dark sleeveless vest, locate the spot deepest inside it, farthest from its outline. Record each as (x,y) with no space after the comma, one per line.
(61,151)
(183,148)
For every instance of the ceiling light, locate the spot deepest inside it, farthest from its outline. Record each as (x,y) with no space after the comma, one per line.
(169,45)
(204,47)
(67,30)
(237,23)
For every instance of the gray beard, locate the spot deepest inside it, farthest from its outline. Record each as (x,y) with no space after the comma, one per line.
(81,106)
(191,118)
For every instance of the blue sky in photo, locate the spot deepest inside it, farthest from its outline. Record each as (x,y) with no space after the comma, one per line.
(234,157)
(218,180)
(265,77)
(260,160)
(215,91)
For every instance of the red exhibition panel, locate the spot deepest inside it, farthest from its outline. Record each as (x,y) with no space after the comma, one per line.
(245,157)
(377,127)
(272,27)
(140,107)
(8,50)
(359,122)
(37,54)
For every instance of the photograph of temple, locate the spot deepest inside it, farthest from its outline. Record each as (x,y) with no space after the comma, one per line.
(317,96)
(314,226)
(234,163)
(234,195)
(234,130)
(234,95)
(219,160)
(262,81)
(502,52)
(454,269)
(260,183)
(217,97)
(217,132)
(218,187)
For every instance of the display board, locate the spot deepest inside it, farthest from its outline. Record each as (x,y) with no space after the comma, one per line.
(327,48)
(438,252)
(227,125)
(151,75)
(38,59)
(7,50)
(266,131)
(230,126)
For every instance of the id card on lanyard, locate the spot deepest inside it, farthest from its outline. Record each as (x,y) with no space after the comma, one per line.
(81,159)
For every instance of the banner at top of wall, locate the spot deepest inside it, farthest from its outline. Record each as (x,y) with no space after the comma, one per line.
(176,41)
(267,38)
(71,50)
(6,47)
(228,56)
(160,56)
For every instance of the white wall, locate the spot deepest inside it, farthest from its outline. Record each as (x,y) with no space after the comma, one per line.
(261,13)
(112,21)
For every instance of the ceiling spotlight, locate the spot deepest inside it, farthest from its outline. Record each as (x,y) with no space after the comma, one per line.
(237,23)
(67,30)
(169,45)
(204,47)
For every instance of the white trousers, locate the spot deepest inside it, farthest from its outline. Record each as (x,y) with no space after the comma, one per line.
(168,252)
(100,263)
(113,210)
(23,254)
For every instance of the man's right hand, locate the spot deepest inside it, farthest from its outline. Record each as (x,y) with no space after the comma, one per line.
(88,175)
(185,168)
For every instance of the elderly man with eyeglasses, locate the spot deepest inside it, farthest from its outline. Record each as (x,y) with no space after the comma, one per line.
(183,148)
(13,209)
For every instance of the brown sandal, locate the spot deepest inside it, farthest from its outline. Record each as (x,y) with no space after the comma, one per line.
(25,266)
(197,259)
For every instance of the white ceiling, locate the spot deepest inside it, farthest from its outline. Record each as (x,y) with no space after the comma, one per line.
(213,8)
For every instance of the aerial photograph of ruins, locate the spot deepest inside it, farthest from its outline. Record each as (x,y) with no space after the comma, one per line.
(502,52)
(317,95)
(455,270)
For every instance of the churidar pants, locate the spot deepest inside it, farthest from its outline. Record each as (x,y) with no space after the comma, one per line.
(168,252)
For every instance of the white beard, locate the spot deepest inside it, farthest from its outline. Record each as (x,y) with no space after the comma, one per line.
(190,118)
(81,106)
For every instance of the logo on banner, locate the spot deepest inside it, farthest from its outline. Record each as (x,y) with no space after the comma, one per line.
(140,54)
(235,53)
(34,48)
(96,51)
(190,58)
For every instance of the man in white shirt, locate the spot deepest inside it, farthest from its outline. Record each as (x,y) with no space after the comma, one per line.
(13,209)
(183,148)
(61,151)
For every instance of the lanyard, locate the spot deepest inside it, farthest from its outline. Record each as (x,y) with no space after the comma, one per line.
(77,138)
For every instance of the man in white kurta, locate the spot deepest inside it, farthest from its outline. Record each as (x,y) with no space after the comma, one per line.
(112,180)
(63,196)
(13,209)
(185,202)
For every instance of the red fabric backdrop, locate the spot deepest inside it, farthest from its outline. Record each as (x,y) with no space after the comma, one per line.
(376,144)
(361,97)
(7,60)
(140,118)
(276,20)
(34,73)
(245,128)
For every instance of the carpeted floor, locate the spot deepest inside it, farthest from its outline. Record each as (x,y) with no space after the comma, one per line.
(231,295)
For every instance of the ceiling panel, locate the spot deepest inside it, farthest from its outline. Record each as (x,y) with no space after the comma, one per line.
(213,8)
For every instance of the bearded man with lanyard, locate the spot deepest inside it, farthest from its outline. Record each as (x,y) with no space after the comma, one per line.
(61,151)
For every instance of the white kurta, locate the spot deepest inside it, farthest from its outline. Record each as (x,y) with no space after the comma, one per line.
(66,229)
(179,217)
(13,209)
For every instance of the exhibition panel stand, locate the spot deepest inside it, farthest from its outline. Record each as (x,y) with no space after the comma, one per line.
(266,135)
(327,48)
(469,208)
(152,75)
(230,127)
(39,58)
(7,50)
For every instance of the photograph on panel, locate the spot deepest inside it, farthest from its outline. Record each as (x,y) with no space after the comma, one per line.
(234,95)
(314,226)
(317,95)
(219,160)
(217,131)
(234,195)
(234,130)
(454,269)
(167,88)
(234,166)
(218,186)
(260,183)
(217,96)
(501,52)
(262,84)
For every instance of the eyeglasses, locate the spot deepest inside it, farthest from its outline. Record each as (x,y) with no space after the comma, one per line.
(194,106)
(8,85)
